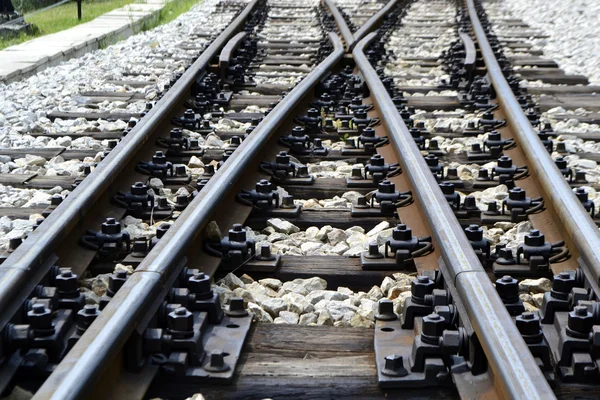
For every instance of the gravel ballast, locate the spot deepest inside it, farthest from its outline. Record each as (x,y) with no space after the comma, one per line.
(574,41)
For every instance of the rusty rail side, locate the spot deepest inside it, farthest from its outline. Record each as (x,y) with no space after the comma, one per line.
(29,259)
(516,373)
(578,223)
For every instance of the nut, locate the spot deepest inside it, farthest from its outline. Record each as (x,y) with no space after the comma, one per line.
(66,280)
(421,286)
(508,289)
(563,282)
(87,315)
(40,317)
(528,323)
(433,327)
(199,283)
(180,320)
(580,322)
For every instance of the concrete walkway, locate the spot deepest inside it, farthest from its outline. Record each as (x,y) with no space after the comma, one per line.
(28,58)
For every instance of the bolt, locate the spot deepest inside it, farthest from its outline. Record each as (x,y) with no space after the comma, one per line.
(420,287)
(562,284)
(394,366)
(385,311)
(40,319)
(433,327)
(180,323)
(86,316)
(199,284)
(236,308)
(528,325)
(217,362)
(508,289)
(580,322)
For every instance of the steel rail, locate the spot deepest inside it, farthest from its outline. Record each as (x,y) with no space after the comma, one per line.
(102,340)
(28,259)
(576,220)
(369,26)
(516,373)
(341,23)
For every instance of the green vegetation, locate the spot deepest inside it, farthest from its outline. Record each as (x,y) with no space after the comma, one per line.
(65,16)
(62,17)
(173,10)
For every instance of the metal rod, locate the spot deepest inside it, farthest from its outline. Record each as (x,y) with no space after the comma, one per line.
(78,371)
(17,270)
(516,373)
(578,223)
(374,20)
(341,23)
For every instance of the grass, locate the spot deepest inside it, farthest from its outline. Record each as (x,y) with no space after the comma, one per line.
(173,10)
(65,16)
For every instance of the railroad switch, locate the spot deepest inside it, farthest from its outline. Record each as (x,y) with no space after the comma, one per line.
(265,200)
(533,257)
(382,202)
(236,250)
(374,172)
(398,251)
(110,242)
(284,170)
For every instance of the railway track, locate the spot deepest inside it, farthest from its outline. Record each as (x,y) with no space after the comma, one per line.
(386,151)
